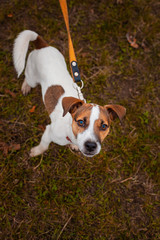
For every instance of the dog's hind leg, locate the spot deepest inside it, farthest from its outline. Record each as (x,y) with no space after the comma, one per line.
(25,88)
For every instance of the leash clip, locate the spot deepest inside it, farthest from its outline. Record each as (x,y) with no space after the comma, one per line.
(80,95)
(82,84)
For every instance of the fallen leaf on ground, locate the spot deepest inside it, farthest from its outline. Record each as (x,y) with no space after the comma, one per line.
(84,54)
(10,15)
(119,1)
(10,93)
(132,40)
(41,127)
(32,109)
(5,148)
(15,146)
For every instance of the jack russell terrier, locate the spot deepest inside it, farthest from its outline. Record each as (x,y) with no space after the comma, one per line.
(82,125)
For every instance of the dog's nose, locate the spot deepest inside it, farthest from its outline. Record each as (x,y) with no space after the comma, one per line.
(90,146)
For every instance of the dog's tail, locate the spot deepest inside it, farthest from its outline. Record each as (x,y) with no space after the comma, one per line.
(21,47)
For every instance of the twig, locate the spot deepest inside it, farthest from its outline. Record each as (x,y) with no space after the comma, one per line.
(97,73)
(18,123)
(66,177)
(112,159)
(139,167)
(2,95)
(38,163)
(65,225)
(125,180)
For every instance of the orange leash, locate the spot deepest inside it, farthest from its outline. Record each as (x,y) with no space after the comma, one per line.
(72,57)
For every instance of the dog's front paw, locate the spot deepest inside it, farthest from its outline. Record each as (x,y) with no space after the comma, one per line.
(74,147)
(35,151)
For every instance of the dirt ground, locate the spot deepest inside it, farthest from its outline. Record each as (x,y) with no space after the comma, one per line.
(62,195)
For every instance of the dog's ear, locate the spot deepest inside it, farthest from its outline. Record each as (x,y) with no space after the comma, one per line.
(70,104)
(116,111)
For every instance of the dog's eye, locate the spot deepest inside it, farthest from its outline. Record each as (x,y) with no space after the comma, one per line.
(81,123)
(104,126)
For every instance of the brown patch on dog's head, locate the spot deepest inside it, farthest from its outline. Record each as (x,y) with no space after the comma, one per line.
(40,43)
(71,104)
(52,96)
(82,114)
(102,124)
(107,114)
(116,111)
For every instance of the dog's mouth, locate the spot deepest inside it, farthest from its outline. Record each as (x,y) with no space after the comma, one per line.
(89,154)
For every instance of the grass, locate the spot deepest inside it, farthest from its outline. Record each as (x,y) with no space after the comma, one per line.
(60,195)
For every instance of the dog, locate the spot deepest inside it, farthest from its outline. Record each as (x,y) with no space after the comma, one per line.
(74,122)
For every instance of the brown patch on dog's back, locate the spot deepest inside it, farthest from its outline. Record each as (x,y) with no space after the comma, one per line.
(40,43)
(51,97)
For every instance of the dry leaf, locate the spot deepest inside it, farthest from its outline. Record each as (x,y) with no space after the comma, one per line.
(10,15)
(15,147)
(32,109)
(134,44)
(10,93)
(41,127)
(6,148)
(84,54)
(132,40)
(92,10)
(119,1)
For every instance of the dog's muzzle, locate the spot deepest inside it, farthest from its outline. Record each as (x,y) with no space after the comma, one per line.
(91,148)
